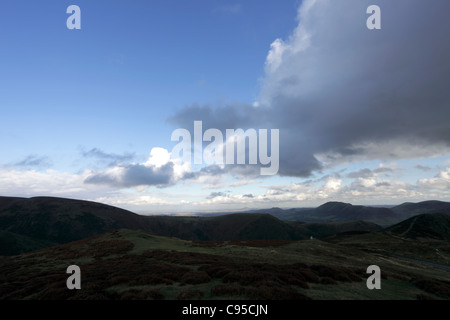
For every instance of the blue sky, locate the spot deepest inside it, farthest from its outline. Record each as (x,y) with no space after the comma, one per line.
(114,83)
(83,109)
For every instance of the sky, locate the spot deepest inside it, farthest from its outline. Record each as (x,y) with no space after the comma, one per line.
(363,114)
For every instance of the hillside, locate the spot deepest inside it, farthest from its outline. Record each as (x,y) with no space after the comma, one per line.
(30,224)
(227,227)
(339,211)
(336,211)
(12,243)
(408,209)
(320,230)
(61,220)
(130,265)
(431,226)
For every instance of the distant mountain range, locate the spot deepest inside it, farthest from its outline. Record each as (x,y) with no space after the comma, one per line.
(338,211)
(34,223)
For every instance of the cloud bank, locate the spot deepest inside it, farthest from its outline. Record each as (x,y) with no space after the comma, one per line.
(339,92)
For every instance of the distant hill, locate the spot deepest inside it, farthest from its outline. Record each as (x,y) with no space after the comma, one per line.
(29,224)
(320,230)
(409,209)
(339,211)
(236,226)
(336,211)
(431,226)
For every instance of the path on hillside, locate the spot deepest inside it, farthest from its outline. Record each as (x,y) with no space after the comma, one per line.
(410,227)
(431,264)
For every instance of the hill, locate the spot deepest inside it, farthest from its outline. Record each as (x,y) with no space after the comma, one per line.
(12,243)
(60,220)
(409,209)
(320,230)
(339,211)
(28,224)
(431,226)
(336,211)
(129,264)
(238,226)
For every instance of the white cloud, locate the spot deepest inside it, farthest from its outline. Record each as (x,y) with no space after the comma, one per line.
(158,157)
(275,56)
(31,183)
(333,184)
(439,182)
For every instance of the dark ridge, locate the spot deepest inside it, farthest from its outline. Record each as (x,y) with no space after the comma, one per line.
(432,226)
(29,224)
(409,209)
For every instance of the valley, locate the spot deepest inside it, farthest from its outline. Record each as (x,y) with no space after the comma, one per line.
(240,256)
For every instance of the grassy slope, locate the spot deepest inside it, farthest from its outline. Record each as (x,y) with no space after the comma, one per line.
(431,226)
(136,265)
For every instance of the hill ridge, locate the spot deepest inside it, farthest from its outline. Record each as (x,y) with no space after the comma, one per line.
(60,220)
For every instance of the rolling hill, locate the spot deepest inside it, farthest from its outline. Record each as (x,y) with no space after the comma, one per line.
(336,211)
(34,223)
(430,226)
(130,264)
(29,224)
(339,211)
(409,209)
(61,220)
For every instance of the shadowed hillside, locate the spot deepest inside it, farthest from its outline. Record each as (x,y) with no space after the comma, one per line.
(129,265)
(408,209)
(61,220)
(339,211)
(34,223)
(30,224)
(336,211)
(227,227)
(432,226)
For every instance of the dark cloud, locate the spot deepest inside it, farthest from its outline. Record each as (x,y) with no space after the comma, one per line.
(383,170)
(111,158)
(33,161)
(423,168)
(339,92)
(363,173)
(216,170)
(216,194)
(383,184)
(248,195)
(135,175)
(367,173)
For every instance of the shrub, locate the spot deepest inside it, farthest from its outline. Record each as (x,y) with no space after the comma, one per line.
(438,288)
(274,293)
(336,273)
(195,277)
(190,294)
(229,289)
(215,271)
(146,294)
(327,280)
